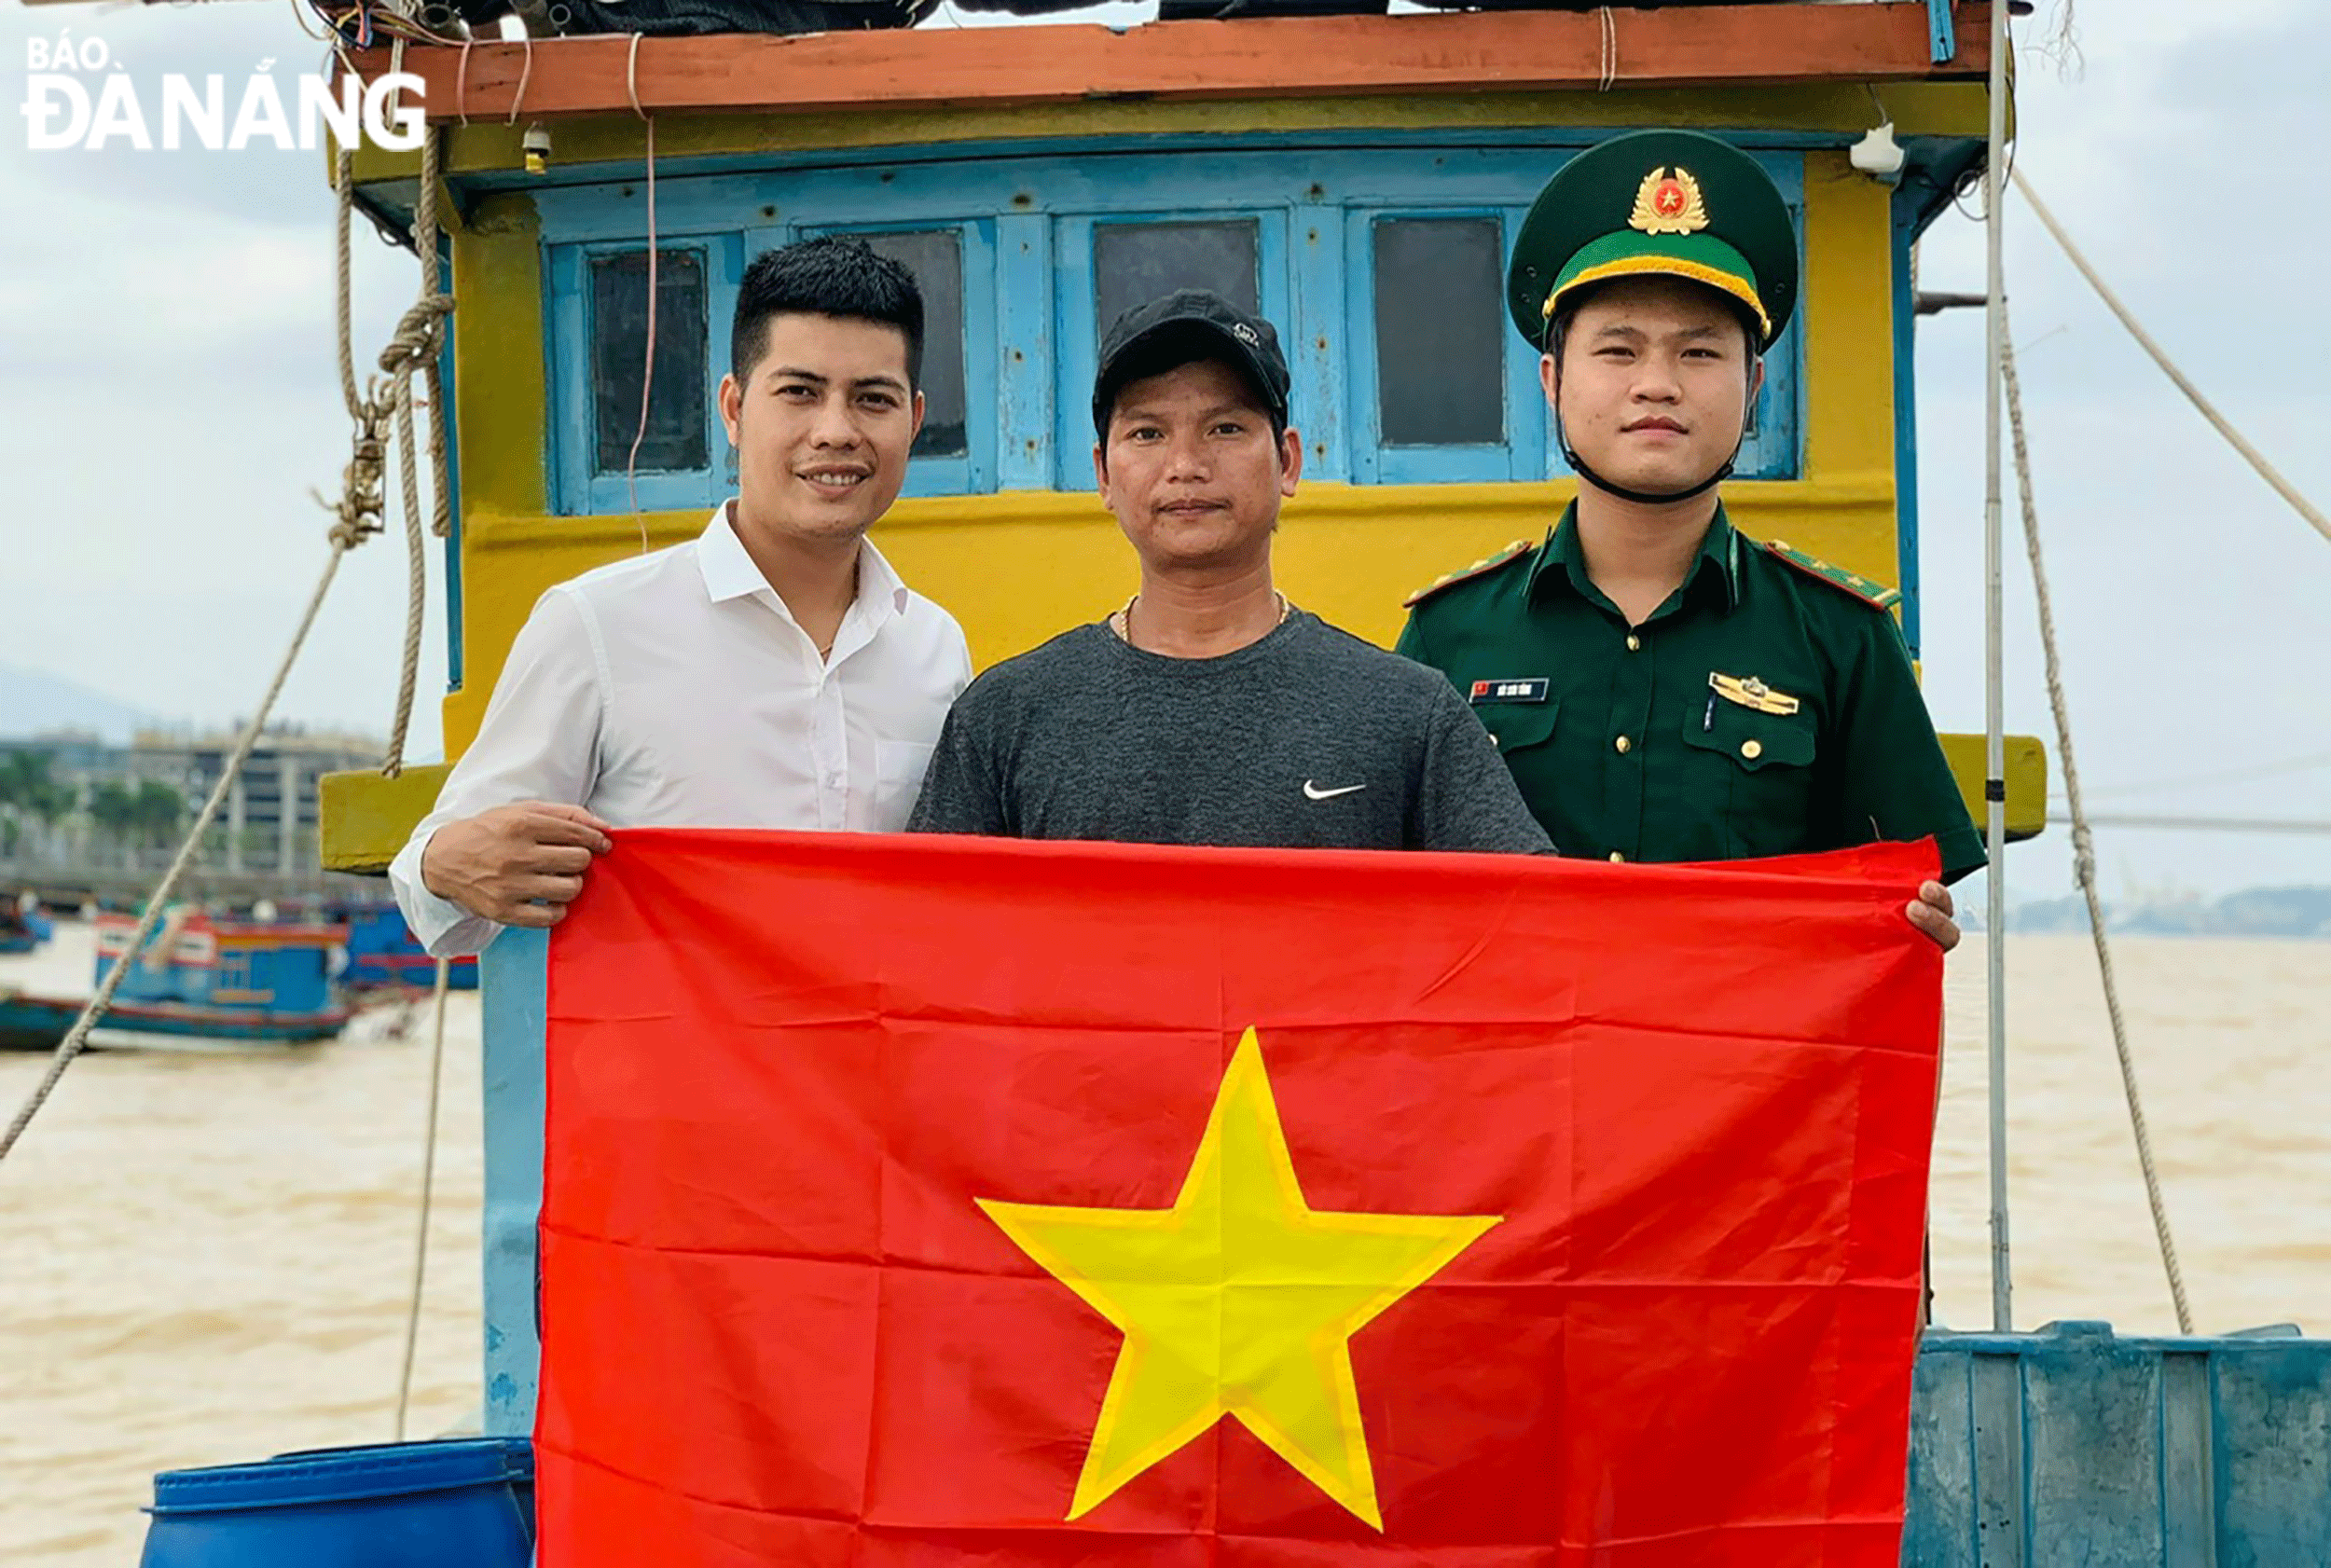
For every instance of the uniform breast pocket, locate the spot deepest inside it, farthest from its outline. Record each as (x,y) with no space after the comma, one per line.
(1518,726)
(899,768)
(1760,767)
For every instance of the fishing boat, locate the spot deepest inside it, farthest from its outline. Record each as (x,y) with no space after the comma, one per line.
(23,930)
(383,955)
(199,978)
(1357,179)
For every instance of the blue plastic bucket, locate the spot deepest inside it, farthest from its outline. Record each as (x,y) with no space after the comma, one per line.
(467,1500)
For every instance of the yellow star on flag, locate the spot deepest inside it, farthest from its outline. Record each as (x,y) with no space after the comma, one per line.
(1240,1300)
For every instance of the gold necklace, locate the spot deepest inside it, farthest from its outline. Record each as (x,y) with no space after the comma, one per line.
(1121,621)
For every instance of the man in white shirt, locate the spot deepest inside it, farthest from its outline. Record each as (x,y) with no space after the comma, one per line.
(773,672)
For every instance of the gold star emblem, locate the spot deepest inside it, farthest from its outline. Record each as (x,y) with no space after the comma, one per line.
(1669,203)
(1240,1300)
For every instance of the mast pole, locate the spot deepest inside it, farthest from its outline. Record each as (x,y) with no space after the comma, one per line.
(1994,745)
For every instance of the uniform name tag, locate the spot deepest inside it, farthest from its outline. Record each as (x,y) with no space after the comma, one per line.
(1529,689)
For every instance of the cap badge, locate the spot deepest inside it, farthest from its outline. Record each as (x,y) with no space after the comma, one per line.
(1669,203)
(1246,335)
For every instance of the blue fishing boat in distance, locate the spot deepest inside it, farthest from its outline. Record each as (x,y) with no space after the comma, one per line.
(383,955)
(202,978)
(23,927)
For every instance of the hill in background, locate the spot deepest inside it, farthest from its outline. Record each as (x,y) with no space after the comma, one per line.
(2254,912)
(35,702)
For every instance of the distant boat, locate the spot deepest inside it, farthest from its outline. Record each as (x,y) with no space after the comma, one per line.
(200,977)
(24,929)
(383,953)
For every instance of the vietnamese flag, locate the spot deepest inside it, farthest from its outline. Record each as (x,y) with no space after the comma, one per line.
(947,1202)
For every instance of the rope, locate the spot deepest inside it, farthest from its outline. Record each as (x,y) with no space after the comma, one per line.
(399,361)
(77,1036)
(386,402)
(2257,459)
(428,1198)
(416,585)
(647,373)
(301,14)
(2307,763)
(357,516)
(2083,843)
(344,182)
(425,229)
(526,75)
(2062,43)
(1610,49)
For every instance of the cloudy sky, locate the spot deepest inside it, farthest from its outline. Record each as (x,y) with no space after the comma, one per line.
(166,367)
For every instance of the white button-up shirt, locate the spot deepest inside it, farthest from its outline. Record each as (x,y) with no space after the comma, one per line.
(676,690)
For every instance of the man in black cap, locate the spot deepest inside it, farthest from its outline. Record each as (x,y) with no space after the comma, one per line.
(1208,710)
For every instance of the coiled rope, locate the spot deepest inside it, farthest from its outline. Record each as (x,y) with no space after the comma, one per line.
(2083,842)
(413,348)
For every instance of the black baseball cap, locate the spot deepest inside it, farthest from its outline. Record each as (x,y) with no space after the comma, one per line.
(1184,326)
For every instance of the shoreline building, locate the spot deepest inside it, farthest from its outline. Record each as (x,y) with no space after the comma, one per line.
(270,817)
(270,822)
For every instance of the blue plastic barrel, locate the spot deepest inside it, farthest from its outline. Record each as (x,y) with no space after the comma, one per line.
(468,1501)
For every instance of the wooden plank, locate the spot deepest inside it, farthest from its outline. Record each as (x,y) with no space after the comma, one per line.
(1322,393)
(1268,58)
(2001,1517)
(2188,1486)
(513,975)
(2273,1455)
(366,818)
(1024,351)
(2093,1460)
(1946,39)
(1939,1528)
(2026,758)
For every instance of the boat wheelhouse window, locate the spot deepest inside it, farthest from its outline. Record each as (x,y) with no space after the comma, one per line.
(1381,267)
(935,258)
(1134,263)
(1440,307)
(676,439)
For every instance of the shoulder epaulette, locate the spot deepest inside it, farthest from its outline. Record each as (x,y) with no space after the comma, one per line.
(1868,589)
(1490,562)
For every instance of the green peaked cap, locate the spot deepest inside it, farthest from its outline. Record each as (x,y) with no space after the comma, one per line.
(1664,203)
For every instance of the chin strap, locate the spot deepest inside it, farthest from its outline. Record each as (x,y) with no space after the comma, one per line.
(1641,498)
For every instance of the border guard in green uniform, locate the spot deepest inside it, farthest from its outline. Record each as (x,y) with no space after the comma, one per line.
(1663,687)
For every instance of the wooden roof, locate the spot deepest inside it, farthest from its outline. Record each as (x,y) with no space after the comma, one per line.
(1280,57)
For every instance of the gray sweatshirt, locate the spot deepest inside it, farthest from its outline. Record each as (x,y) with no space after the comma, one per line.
(1309,738)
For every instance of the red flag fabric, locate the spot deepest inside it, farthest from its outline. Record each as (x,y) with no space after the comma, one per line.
(938,1201)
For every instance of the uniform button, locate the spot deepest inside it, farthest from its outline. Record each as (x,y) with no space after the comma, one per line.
(1752,750)
(1623,744)
(1634,643)
(1616,855)
(1492,738)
